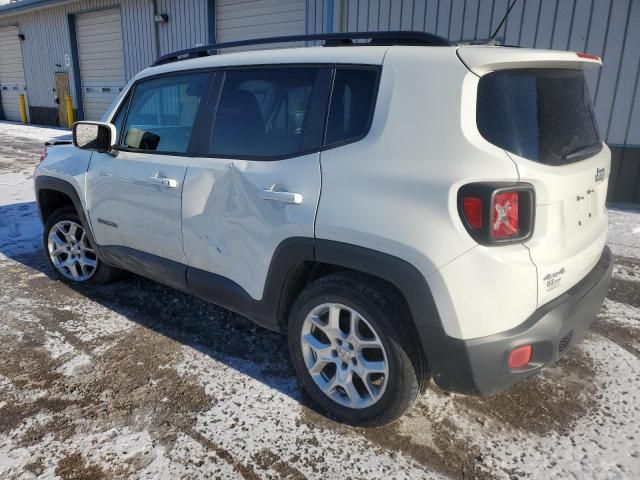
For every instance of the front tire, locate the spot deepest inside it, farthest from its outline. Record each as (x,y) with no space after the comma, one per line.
(70,251)
(350,348)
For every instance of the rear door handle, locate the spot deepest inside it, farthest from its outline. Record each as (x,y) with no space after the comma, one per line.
(277,194)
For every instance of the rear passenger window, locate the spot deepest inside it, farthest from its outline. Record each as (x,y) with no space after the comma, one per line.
(262,112)
(162,113)
(352,104)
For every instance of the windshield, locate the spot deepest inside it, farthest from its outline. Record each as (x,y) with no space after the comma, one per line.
(545,115)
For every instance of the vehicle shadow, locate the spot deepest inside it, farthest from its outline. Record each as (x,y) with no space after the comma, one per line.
(222,335)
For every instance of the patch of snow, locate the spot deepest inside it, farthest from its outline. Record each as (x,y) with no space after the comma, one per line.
(20,227)
(620,312)
(56,345)
(71,367)
(603,444)
(95,321)
(271,418)
(624,231)
(34,132)
(627,272)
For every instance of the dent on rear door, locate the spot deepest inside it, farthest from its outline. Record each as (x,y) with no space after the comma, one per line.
(228,227)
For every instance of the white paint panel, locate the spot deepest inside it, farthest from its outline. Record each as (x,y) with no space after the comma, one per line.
(246,19)
(101,57)
(11,73)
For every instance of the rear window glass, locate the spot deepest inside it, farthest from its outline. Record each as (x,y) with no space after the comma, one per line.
(545,115)
(352,104)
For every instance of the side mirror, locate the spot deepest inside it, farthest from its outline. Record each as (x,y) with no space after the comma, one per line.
(97,136)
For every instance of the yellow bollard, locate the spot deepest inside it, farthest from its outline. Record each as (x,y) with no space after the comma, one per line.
(69,110)
(23,109)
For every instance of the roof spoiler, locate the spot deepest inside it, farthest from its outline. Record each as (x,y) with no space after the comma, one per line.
(330,39)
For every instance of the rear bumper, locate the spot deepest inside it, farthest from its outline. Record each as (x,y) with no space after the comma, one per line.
(479,366)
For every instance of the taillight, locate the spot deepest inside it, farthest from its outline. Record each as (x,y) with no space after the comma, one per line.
(497,213)
(505,215)
(472,207)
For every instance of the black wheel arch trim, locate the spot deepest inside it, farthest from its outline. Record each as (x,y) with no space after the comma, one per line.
(45,182)
(448,363)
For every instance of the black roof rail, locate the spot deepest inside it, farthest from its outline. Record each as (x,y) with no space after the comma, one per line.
(330,39)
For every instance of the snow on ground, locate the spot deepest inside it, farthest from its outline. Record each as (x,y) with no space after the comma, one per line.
(135,380)
(624,231)
(32,132)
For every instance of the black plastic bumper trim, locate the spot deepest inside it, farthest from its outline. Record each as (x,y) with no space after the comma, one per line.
(479,366)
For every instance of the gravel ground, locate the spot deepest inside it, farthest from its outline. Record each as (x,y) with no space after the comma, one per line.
(135,380)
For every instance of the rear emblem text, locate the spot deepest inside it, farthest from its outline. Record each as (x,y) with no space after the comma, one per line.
(600,174)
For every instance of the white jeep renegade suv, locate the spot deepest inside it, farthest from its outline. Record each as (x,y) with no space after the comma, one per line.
(404,209)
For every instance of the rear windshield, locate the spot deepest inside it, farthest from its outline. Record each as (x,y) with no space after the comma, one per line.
(545,115)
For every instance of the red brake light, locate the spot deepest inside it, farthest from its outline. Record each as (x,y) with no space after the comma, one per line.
(497,213)
(505,215)
(472,208)
(588,56)
(520,356)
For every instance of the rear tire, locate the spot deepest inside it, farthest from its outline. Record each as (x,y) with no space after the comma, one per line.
(352,352)
(70,252)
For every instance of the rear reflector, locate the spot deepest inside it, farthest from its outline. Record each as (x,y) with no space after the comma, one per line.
(588,56)
(520,357)
(505,217)
(472,208)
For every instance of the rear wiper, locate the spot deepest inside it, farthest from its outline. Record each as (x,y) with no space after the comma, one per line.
(583,151)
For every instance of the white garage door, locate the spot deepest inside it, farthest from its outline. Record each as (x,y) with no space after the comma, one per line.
(247,19)
(101,55)
(11,73)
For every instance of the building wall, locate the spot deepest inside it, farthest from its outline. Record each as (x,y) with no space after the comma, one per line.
(608,28)
(47,41)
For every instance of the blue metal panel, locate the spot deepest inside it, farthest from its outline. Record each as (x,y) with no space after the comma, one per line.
(330,13)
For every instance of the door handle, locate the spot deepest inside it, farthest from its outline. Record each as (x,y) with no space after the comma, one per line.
(277,194)
(164,181)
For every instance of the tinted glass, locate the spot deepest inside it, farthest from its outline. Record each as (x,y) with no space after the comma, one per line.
(262,112)
(352,104)
(162,113)
(541,115)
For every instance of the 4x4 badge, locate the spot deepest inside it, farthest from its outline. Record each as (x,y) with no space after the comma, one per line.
(552,280)
(600,174)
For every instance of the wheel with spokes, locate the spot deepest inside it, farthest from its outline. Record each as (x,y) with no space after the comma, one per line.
(69,249)
(344,355)
(349,347)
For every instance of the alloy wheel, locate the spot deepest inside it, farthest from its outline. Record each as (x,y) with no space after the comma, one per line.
(344,355)
(70,251)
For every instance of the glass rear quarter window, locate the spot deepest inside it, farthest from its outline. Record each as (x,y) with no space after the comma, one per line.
(262,112)
(162,113)
(352,104)
(544,115)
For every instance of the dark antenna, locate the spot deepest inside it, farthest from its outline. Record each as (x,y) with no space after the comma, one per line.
(504,19)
